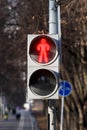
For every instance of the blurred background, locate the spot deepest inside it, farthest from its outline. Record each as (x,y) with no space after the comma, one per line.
(21,17)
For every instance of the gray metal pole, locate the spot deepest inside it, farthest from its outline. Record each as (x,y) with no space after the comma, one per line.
(59,21)
(53,29)
(53,25)
(51,115)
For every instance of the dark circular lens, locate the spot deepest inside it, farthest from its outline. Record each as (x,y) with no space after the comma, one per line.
(42,82)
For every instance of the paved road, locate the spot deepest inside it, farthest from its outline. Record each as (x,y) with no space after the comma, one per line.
(27,122)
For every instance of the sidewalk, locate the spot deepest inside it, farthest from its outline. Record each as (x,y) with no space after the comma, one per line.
(26,122)
(10,124)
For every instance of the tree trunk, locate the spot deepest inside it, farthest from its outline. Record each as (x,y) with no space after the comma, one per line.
(80,123)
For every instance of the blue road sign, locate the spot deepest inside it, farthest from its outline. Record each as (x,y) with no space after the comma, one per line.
(65,88)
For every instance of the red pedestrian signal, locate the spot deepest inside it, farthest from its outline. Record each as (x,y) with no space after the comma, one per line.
(42,66)
(42,49)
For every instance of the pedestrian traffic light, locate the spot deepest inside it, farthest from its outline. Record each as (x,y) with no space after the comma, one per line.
(42,66)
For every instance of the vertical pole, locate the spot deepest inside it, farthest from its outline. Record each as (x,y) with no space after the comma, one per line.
(59,29)
(59,21)
(53,25)
(51,115)
(62,111)
(53,29)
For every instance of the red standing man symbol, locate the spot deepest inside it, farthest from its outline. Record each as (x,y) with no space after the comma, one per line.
(43,48)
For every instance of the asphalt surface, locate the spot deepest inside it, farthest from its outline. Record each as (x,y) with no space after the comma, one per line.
(26,122)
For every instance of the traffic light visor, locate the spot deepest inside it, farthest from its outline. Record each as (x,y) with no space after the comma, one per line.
(42,49)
